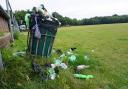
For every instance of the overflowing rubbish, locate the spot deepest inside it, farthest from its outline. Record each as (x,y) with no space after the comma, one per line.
(81,76)
(42,32)
(43,28)
(52,69)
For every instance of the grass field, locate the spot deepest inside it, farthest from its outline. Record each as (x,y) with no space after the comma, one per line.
(109,61)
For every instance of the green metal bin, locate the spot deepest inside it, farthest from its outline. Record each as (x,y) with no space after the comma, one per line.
(43,46)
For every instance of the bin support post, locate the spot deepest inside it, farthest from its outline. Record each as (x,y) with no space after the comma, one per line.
(9,11)
(1,63)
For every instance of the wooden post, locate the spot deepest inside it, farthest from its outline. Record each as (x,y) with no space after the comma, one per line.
(10,18)
(1,63)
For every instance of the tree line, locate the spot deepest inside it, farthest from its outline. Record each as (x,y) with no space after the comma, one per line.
(66,21)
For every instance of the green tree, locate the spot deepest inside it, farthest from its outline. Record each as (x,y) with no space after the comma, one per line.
(20,15)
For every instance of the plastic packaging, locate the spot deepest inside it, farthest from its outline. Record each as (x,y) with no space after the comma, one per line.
(63,65)
(52,73)
(57,62)
(72,58)
(37,31)
(53,66)
(27,20)
(81,76)
(19,54)
(80,67)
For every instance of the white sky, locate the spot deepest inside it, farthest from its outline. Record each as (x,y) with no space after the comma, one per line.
(75,8)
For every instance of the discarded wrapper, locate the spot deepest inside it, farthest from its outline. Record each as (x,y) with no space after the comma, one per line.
(19,54)
(72,58)
(80,67)
(63,65)
(52,73)
(81,76)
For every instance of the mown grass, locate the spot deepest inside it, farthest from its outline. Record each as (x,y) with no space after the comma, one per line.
(108,60)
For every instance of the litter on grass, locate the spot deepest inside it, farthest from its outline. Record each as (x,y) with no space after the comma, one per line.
(19,53)
(81,76)
(63,65)
(86,58)
(72,58)
(80,67)
(52,69)
(52,73)
(53,66)
(57,62)
(62,56)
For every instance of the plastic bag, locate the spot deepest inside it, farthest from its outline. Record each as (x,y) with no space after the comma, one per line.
(72,58)
(52,74)
(63,65)
(37,31)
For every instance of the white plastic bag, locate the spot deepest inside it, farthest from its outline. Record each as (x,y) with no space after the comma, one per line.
(37,31)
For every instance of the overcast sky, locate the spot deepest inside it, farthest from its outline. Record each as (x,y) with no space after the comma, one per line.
(75,8)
